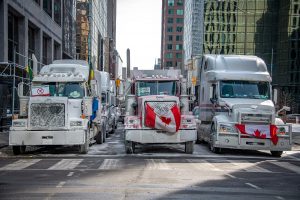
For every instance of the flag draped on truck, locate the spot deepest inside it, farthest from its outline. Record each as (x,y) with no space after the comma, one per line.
(168,120)
(259,131)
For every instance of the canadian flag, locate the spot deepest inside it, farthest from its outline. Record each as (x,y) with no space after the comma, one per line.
(259,131)
(169,122)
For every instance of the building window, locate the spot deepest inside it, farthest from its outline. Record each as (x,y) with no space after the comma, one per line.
(178,55)
(179,28)
(56,51)
(47,6)
(46,48)
(170,11)
(169,55)
(178,46)
(180,3)
(169,64)
(38,2)
(179,12)
(31,44)
(170,2)
(13,38)
(169,46)
(57,11)
(170,29)
(178,37)
(170,37)
(170,20)
(179,20)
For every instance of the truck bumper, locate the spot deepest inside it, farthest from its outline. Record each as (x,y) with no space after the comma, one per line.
(32,138)
(157,136)
(234,142)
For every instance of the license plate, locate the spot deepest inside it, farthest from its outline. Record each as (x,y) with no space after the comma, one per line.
(47,140)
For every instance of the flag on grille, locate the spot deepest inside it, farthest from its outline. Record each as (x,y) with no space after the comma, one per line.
(168,121)
(259,131)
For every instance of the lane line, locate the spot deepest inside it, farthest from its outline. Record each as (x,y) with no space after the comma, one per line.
(279,197)
(109,164)
(20,164)
(70,174)
(254,186)
(61,184)
(231,176)
(288,166)
(204,165)
(248,167)
(66,164)
(157,164)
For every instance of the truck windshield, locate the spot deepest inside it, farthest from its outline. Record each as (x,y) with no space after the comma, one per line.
(73,90)
(156,88)
(245,89)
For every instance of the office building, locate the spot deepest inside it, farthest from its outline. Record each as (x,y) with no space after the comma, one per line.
(172,34)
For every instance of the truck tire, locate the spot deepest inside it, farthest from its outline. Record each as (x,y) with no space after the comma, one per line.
(19,149)
(276,153)
(83,148)
(129,147)
(99,137)
(104,133)
(189,147)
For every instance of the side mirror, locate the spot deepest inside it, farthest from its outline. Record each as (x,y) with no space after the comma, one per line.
(275,95)
(21,89)
(211,90)
(94,88)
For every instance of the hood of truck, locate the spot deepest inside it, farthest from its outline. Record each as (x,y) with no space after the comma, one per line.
(250,103)
(251,110)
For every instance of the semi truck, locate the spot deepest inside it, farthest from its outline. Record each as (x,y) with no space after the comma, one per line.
(236,107)
(157,110)
(62,107)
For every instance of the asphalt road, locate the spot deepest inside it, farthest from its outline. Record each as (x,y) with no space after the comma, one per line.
(155,172)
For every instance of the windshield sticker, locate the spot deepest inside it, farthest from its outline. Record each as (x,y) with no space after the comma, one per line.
(42,90)
(142,91)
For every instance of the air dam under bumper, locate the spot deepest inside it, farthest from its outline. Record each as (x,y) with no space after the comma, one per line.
(232,142)
(68,137)
(149,136)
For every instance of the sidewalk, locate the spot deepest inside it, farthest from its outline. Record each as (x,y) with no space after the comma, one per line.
(3,139)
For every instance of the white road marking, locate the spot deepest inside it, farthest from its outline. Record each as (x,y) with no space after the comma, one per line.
(157,164)
(279,197)
(288,166)
(110,164)
(20,164)
(231,176)
(61,184)
(254,186)
(204,165)
(247,166)
(66,164)
(70,174)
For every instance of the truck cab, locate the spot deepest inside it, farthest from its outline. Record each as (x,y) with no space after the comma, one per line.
(157,110)
(236,107)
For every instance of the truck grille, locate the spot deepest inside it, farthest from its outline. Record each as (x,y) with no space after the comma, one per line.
(47,115)
(256,118)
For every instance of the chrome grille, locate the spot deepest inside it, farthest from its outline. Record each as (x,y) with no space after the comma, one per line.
(47,115)
(256,118)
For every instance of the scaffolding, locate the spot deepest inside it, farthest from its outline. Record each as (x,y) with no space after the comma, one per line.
(11,74)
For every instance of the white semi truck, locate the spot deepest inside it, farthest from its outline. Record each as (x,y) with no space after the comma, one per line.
(157,110)
(63,108)
(236,108)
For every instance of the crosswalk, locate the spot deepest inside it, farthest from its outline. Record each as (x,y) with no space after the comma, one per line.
(214,165)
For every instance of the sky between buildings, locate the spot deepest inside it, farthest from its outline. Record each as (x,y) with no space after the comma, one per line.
(139,29)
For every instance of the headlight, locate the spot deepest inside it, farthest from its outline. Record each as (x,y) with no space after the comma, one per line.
(226,128)
(19,123)
(76,123)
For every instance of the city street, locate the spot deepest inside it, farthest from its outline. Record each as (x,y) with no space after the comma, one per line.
(155,172)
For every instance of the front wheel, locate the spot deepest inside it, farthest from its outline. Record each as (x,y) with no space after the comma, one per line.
(276,153)
(189,147)
(129,147)
(19,149)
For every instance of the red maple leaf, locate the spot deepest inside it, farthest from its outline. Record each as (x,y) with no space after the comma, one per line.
(258,134)
(165,120)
